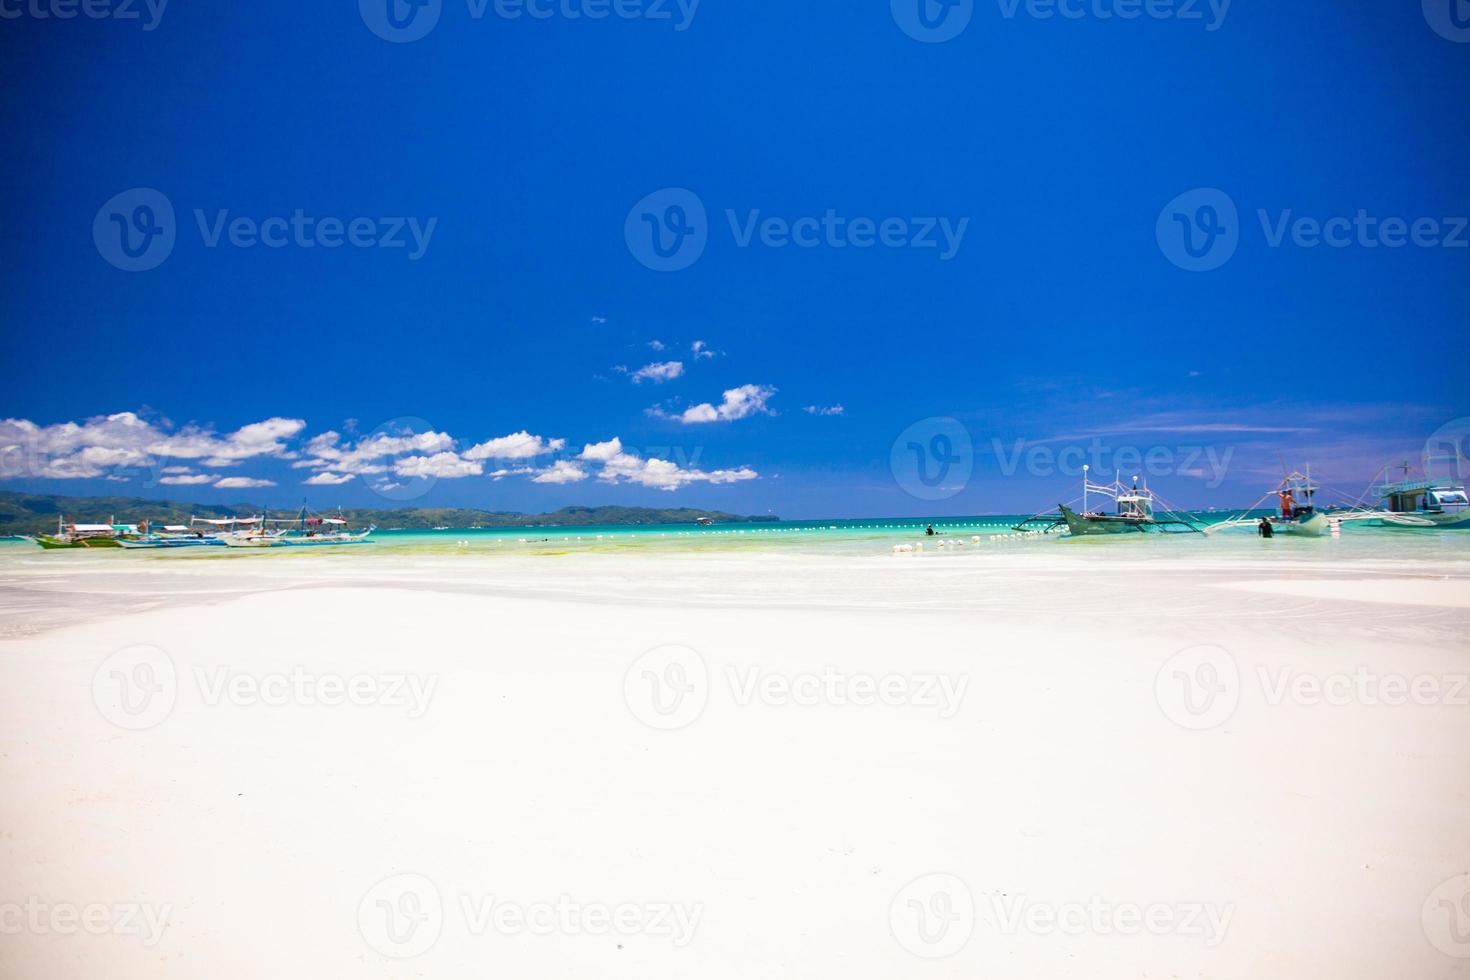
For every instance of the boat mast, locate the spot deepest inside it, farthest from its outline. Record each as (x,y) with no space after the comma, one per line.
(1084,487)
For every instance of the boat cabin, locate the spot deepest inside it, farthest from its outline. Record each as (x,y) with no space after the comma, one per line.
(1135,505)
(1424,497)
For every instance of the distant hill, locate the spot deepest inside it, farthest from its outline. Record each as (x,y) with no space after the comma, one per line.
(27,513)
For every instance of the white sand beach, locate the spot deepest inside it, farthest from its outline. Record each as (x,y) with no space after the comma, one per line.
(1041,762)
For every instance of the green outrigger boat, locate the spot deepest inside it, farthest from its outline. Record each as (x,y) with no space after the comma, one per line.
(84,535)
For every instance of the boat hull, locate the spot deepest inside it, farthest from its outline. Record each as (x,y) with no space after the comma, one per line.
(57,544)
(1427,521)
(284,541)
(1313,525)
(1080,524)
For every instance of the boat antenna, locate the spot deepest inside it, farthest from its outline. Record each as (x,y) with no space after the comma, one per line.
(1085,468)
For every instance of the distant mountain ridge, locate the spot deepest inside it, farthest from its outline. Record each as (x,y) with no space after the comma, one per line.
(28,513)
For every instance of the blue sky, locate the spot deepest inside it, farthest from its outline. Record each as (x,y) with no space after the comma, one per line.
(992,232)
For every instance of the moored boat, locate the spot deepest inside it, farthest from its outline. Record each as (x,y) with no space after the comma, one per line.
(306,530)
(1133,512)
(1424,503)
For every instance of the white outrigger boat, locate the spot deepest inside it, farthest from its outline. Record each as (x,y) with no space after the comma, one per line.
(1134,512)
(1423,503)
(306,530)
(1295,495)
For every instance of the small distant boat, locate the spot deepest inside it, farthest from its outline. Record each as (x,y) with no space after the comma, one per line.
(1422,503)
(704,521)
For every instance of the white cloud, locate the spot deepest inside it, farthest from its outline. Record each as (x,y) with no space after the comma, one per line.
(509,471)
(562,471)
(737,403)
(657,344)
(701,349)
(658,373)
(824,410)
(325,479)
(177,469)
(80,450)
(369,455)
(602,451)
(663,474)
(446,466)
(188,480)
(517,445)
(242,483)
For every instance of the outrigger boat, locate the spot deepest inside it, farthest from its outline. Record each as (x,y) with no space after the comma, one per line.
(1423,503)
(1134,512)
(83,535)
(1298,515)
(309,531)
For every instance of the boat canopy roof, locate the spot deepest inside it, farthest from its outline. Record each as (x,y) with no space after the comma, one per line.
(92,527)
(224,521)
(1411,486)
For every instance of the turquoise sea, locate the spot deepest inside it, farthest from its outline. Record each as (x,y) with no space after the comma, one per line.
(854,537)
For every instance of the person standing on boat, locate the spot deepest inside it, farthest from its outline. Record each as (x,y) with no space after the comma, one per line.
(1288,504)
